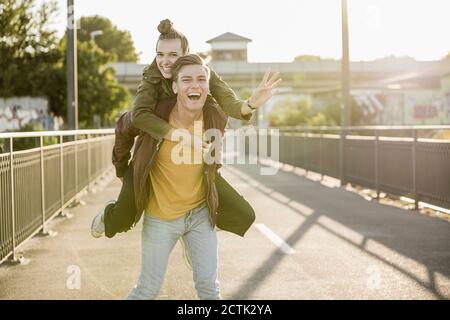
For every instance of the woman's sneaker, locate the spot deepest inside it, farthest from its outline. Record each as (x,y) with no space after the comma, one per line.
(98,223)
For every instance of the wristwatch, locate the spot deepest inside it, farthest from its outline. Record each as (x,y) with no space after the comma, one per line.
(250,106)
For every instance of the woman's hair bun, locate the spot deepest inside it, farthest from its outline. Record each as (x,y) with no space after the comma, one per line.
(165,26)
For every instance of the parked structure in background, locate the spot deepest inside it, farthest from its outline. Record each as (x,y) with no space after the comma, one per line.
(229,47)
(390,91)
(17,112)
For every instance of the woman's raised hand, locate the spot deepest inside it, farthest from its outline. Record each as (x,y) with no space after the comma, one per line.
(265,90)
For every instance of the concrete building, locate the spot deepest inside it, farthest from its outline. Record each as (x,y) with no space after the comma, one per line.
(229,47)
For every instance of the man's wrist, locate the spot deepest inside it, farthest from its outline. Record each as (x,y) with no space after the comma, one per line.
(245,110)
(250,106)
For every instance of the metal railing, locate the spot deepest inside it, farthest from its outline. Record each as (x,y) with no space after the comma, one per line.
(38,183)
(396,160)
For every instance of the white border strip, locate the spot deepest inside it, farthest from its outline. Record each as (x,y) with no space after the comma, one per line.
(280,243)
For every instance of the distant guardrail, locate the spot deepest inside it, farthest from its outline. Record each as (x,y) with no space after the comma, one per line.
(38,183)
(398,160)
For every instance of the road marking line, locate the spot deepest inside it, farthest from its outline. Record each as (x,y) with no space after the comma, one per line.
(280,243)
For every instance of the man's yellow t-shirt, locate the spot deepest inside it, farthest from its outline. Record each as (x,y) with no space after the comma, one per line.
(177,188)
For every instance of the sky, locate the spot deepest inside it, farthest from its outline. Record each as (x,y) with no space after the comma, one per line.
(283,29)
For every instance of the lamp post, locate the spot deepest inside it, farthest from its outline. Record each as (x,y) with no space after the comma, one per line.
(345,89)
(95,33)
(72,79)
(345,69)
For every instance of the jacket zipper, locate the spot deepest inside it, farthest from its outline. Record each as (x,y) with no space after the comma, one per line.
(208,191)
(152,158)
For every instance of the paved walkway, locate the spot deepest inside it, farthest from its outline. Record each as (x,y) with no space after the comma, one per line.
(309,241)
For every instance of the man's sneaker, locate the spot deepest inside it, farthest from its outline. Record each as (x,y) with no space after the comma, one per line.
(98,223)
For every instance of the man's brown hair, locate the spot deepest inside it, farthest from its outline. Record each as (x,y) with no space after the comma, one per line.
(187,60)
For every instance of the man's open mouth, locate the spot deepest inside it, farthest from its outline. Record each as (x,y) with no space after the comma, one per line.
(194,96)
(166,69)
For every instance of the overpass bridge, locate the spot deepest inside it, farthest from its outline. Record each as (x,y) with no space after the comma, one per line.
(315,77)
(313,237)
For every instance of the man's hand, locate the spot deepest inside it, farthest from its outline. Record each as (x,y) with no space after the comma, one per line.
(265,90)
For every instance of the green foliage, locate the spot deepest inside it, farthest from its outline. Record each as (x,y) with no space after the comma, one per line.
(310,57)
(245,93)
(99,93)
(29,142)
(332,111)
(117,44)
(290,113)
(28,48)
(25,143)
(294,113)
(33,61)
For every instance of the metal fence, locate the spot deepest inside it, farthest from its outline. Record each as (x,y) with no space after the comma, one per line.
(397,160)
(38,183)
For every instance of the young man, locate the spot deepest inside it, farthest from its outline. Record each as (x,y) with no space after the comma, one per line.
(236,214)
(179,199)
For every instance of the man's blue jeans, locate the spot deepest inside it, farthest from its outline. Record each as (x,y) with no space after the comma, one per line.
(158,239)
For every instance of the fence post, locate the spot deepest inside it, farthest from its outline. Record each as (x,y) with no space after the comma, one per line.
(305,152)
(89,162)
(76,162)
(61,170)
(320,155)
(41,145)
(13,209)
(342,157)
(377,187)
(414,165)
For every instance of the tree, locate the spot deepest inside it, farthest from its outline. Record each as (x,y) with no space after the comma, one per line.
(28,47)
(290,113)
(99,93)
(117,44)
(332,111)
(33,63)
(294,113)
(310,57)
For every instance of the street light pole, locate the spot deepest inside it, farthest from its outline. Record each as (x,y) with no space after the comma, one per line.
(345,69)
(345,92)
(95,34)
(72,81)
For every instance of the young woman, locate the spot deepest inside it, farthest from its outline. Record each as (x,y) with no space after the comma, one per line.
(234,213)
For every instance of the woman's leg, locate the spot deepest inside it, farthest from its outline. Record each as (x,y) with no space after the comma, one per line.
(120,215)
(201,240)
(158,239)
(234,213)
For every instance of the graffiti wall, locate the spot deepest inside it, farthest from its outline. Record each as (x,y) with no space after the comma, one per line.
(19,111)
(427,108)
(408,107)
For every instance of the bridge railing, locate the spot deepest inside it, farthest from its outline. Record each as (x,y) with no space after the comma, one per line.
(409,161)
(38,183)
